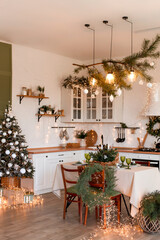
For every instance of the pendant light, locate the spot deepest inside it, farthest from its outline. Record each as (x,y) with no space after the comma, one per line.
(93,80)
(132,73)
(110,76)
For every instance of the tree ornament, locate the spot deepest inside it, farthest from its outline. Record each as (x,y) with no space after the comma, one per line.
(16,166)
(17,149)
(10,165)
(1,174)
(4,134)
(7,119)
(9,132)
(2,161)
(0,126)
(3,140)
(7,172)
(11,143)
(13,155)
(29,170)
(16,142)
(22,170)
(22,144)
(22,154)
(149,85)
(7,152)
(8,124)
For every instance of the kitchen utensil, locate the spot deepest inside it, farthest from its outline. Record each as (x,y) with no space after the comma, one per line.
(91,138)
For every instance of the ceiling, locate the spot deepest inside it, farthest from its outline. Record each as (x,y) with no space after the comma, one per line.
(58,25)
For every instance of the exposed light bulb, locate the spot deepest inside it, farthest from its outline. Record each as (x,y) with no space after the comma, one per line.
(119,92)
(149,85)
(93,81)
(152,64)
(110,78)
(131,76)
(85,90)
(141,82)
(111,98)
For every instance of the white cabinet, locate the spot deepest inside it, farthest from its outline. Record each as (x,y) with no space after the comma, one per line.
(72,103)
(45,167)
(94,106)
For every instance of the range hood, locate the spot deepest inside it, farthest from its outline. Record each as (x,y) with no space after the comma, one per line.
(154,101)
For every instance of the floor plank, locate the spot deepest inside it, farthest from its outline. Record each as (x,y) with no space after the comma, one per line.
(45,223)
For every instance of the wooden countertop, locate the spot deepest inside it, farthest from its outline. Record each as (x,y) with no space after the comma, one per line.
(55,149)
(134,150)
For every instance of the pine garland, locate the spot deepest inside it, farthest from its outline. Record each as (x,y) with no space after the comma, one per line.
(150,127)
(139,62)
(150,205)
(88,194)
(104,155)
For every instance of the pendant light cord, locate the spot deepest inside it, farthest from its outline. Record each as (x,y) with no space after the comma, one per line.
(94,41)
(126,19)
(111,43)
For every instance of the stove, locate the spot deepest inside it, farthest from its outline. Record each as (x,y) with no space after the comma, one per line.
(148,149)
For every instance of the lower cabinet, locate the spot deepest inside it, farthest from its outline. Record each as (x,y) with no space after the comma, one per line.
(46,165)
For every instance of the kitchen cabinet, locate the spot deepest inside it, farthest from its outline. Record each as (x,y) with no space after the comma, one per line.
(72,103)
(45,167)
(94,106)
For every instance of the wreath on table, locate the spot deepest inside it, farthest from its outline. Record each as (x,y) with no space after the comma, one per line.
(150,127)
(89,194)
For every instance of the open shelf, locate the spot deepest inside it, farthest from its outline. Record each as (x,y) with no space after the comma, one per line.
(40,98)
(56,116)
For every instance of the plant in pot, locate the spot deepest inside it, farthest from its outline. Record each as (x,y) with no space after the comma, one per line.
(105,156)
(43,109)
(81,135)
(41,91)
(149,214)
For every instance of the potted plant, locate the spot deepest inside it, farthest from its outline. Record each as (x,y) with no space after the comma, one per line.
(41,91)
(81,134)
(149,214)
(105,156)
(43,109)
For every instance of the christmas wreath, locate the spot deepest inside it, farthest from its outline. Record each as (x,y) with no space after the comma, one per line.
(150,127)
(89,194)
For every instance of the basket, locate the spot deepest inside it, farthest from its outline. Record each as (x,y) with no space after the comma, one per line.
(116,160)
(148,226)
(10,182)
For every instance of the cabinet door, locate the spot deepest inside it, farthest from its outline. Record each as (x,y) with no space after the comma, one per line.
(39,176)
(77,105)
(106,107)
(91,105)
(50,169)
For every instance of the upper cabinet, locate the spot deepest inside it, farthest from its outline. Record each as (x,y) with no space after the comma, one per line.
(93,106)
(72,103)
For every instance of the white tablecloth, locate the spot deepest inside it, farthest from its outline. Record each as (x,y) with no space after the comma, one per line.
(134,183)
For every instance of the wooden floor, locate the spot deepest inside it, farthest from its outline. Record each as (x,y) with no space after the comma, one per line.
(45,223)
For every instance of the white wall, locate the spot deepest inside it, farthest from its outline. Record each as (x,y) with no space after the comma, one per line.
(32,67)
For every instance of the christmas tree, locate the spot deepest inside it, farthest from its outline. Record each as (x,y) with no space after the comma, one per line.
(14,160)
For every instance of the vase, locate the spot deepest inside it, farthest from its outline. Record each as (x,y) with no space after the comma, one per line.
(82,143)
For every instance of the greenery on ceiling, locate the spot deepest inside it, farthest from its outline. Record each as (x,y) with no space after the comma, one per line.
(140,62)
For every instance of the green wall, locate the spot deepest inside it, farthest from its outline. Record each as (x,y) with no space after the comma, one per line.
(5,75)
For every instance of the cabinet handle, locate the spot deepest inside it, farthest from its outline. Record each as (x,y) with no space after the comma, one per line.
(72,120)
(99,119)
(60,160)
(46,156)
(74,153)
(60,154)
(96,119)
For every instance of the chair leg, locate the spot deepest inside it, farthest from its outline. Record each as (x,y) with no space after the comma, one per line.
(104,213)
(118,208)
(86,214)
(79,205)
(96,211)
(64,209)
(100,212)
(80,209)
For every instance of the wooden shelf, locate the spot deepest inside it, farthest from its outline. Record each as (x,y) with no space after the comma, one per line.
(40,98)
(56,116)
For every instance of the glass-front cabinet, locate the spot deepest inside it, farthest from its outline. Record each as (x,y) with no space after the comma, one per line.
(77,104)
(93,105)
(106,107)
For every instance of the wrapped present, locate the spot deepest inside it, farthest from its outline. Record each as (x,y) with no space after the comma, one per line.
(27,184)
(28,197)
(14,196)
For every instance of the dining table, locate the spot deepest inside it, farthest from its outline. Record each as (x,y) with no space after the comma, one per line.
(134,182)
